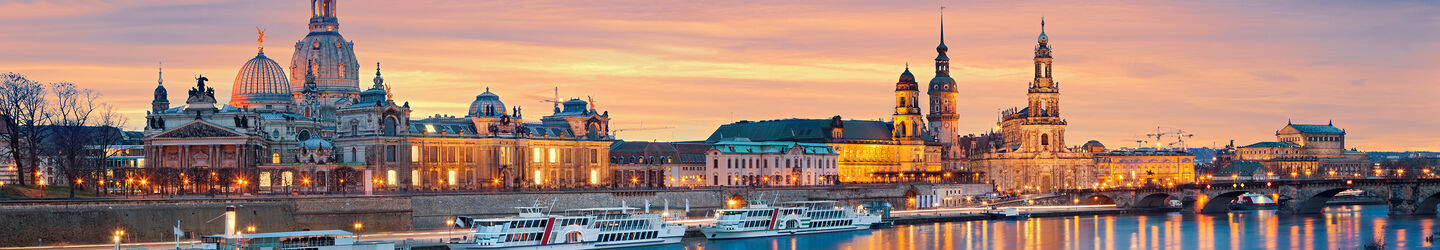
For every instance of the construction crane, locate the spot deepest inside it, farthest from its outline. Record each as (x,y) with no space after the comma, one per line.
(1161,134)
(555,101)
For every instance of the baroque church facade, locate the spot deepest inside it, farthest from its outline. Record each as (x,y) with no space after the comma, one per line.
(1028,152)
(319,132)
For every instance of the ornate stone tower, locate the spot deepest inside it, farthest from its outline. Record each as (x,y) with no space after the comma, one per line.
(906,120)
(337,72)
(1043,129)
(162,98)
(944,122)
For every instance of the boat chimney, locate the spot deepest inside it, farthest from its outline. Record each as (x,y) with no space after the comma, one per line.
(229,221)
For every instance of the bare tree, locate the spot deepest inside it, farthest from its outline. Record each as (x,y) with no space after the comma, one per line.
(22,109)
(72,112)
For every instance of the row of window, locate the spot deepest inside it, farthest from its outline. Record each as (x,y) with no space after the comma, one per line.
(523,237)
(629,236)
(765,163)
(622,225)
(528,223)
(833,223)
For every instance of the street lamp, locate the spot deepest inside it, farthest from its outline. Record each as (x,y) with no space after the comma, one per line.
(359,227)
(116,237)
(449,227)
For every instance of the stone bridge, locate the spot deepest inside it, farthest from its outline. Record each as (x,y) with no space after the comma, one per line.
(1404,196)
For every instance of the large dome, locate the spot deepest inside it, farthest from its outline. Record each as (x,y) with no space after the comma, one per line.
(260,81)
(907,82)
(333,58)
(487,105)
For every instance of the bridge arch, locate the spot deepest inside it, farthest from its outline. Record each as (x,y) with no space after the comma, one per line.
(1315,202)
(1097,199)
(1220,202)
(1428,205)
(1153,201)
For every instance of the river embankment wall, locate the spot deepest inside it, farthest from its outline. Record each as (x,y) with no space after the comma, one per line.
(30,223)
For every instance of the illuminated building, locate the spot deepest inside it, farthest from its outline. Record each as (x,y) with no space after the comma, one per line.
(1142,167)
(740,162)
(658,164)
(1029,151)
(867,150)
(314,130)
(1308,151)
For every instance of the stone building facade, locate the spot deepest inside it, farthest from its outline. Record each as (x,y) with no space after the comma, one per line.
(1308,151)
(1029,152)
(319,132)
(773,163)
(1141,167)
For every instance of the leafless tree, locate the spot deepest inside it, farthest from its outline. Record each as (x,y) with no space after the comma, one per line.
(72,113)
(22,109)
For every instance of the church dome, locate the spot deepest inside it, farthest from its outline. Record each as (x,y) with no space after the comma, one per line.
(317,143)
(487,105)
(260,81)
(907,82)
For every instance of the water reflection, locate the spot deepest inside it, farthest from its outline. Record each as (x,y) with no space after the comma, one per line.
(1340,227)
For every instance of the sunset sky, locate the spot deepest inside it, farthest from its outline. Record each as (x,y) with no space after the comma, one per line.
(1222,70)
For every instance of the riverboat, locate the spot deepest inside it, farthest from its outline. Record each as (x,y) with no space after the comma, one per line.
(591,228)
(1252,201)
(759,219)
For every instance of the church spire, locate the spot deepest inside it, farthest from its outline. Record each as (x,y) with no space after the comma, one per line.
(379,82)
(942,61)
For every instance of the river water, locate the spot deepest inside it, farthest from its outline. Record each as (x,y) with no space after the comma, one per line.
(1340,227)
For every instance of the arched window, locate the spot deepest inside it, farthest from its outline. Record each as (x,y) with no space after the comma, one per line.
(275,158)
(390,124)
(1045,139)
(304,135)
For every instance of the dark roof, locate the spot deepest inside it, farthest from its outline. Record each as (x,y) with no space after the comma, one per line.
(1243,168)
(805,130)
(1317,128)
(1272,144)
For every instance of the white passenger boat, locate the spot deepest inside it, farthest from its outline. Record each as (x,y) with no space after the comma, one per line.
(591,228)
(758,219)
(298,240)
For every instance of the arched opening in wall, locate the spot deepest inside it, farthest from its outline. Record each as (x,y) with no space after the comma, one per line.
(1316,204)
(911,196)
(1045,139)
(390,124)
(1096,200)
(1157,201)
(1219,203)
(304,135)
(735,201)
(1428,205)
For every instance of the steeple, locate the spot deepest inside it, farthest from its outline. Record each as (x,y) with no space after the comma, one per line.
(942,61)
(162,97)
(379,82)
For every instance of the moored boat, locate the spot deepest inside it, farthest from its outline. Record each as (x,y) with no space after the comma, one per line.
(1252,201)
(759,219)
(591,228)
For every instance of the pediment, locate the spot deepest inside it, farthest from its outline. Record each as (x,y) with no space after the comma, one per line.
(199,129)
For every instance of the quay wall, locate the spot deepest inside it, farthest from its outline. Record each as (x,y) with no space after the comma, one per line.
(31,223)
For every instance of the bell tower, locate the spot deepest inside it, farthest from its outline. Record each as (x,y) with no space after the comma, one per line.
(906,121)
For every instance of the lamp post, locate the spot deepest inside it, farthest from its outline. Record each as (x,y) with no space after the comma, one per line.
(116,237)
(449,228)
(359,227)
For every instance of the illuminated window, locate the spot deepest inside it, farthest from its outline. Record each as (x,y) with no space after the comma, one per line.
(450,177)
(594,177)
(505,156)
(554,155)
(537,155)
(415,178)
(287,179)
(539,177)
(275,158)
(390,177)
(414,153)
(264,179)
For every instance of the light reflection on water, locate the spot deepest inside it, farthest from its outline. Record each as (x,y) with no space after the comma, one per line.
(1340,227)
